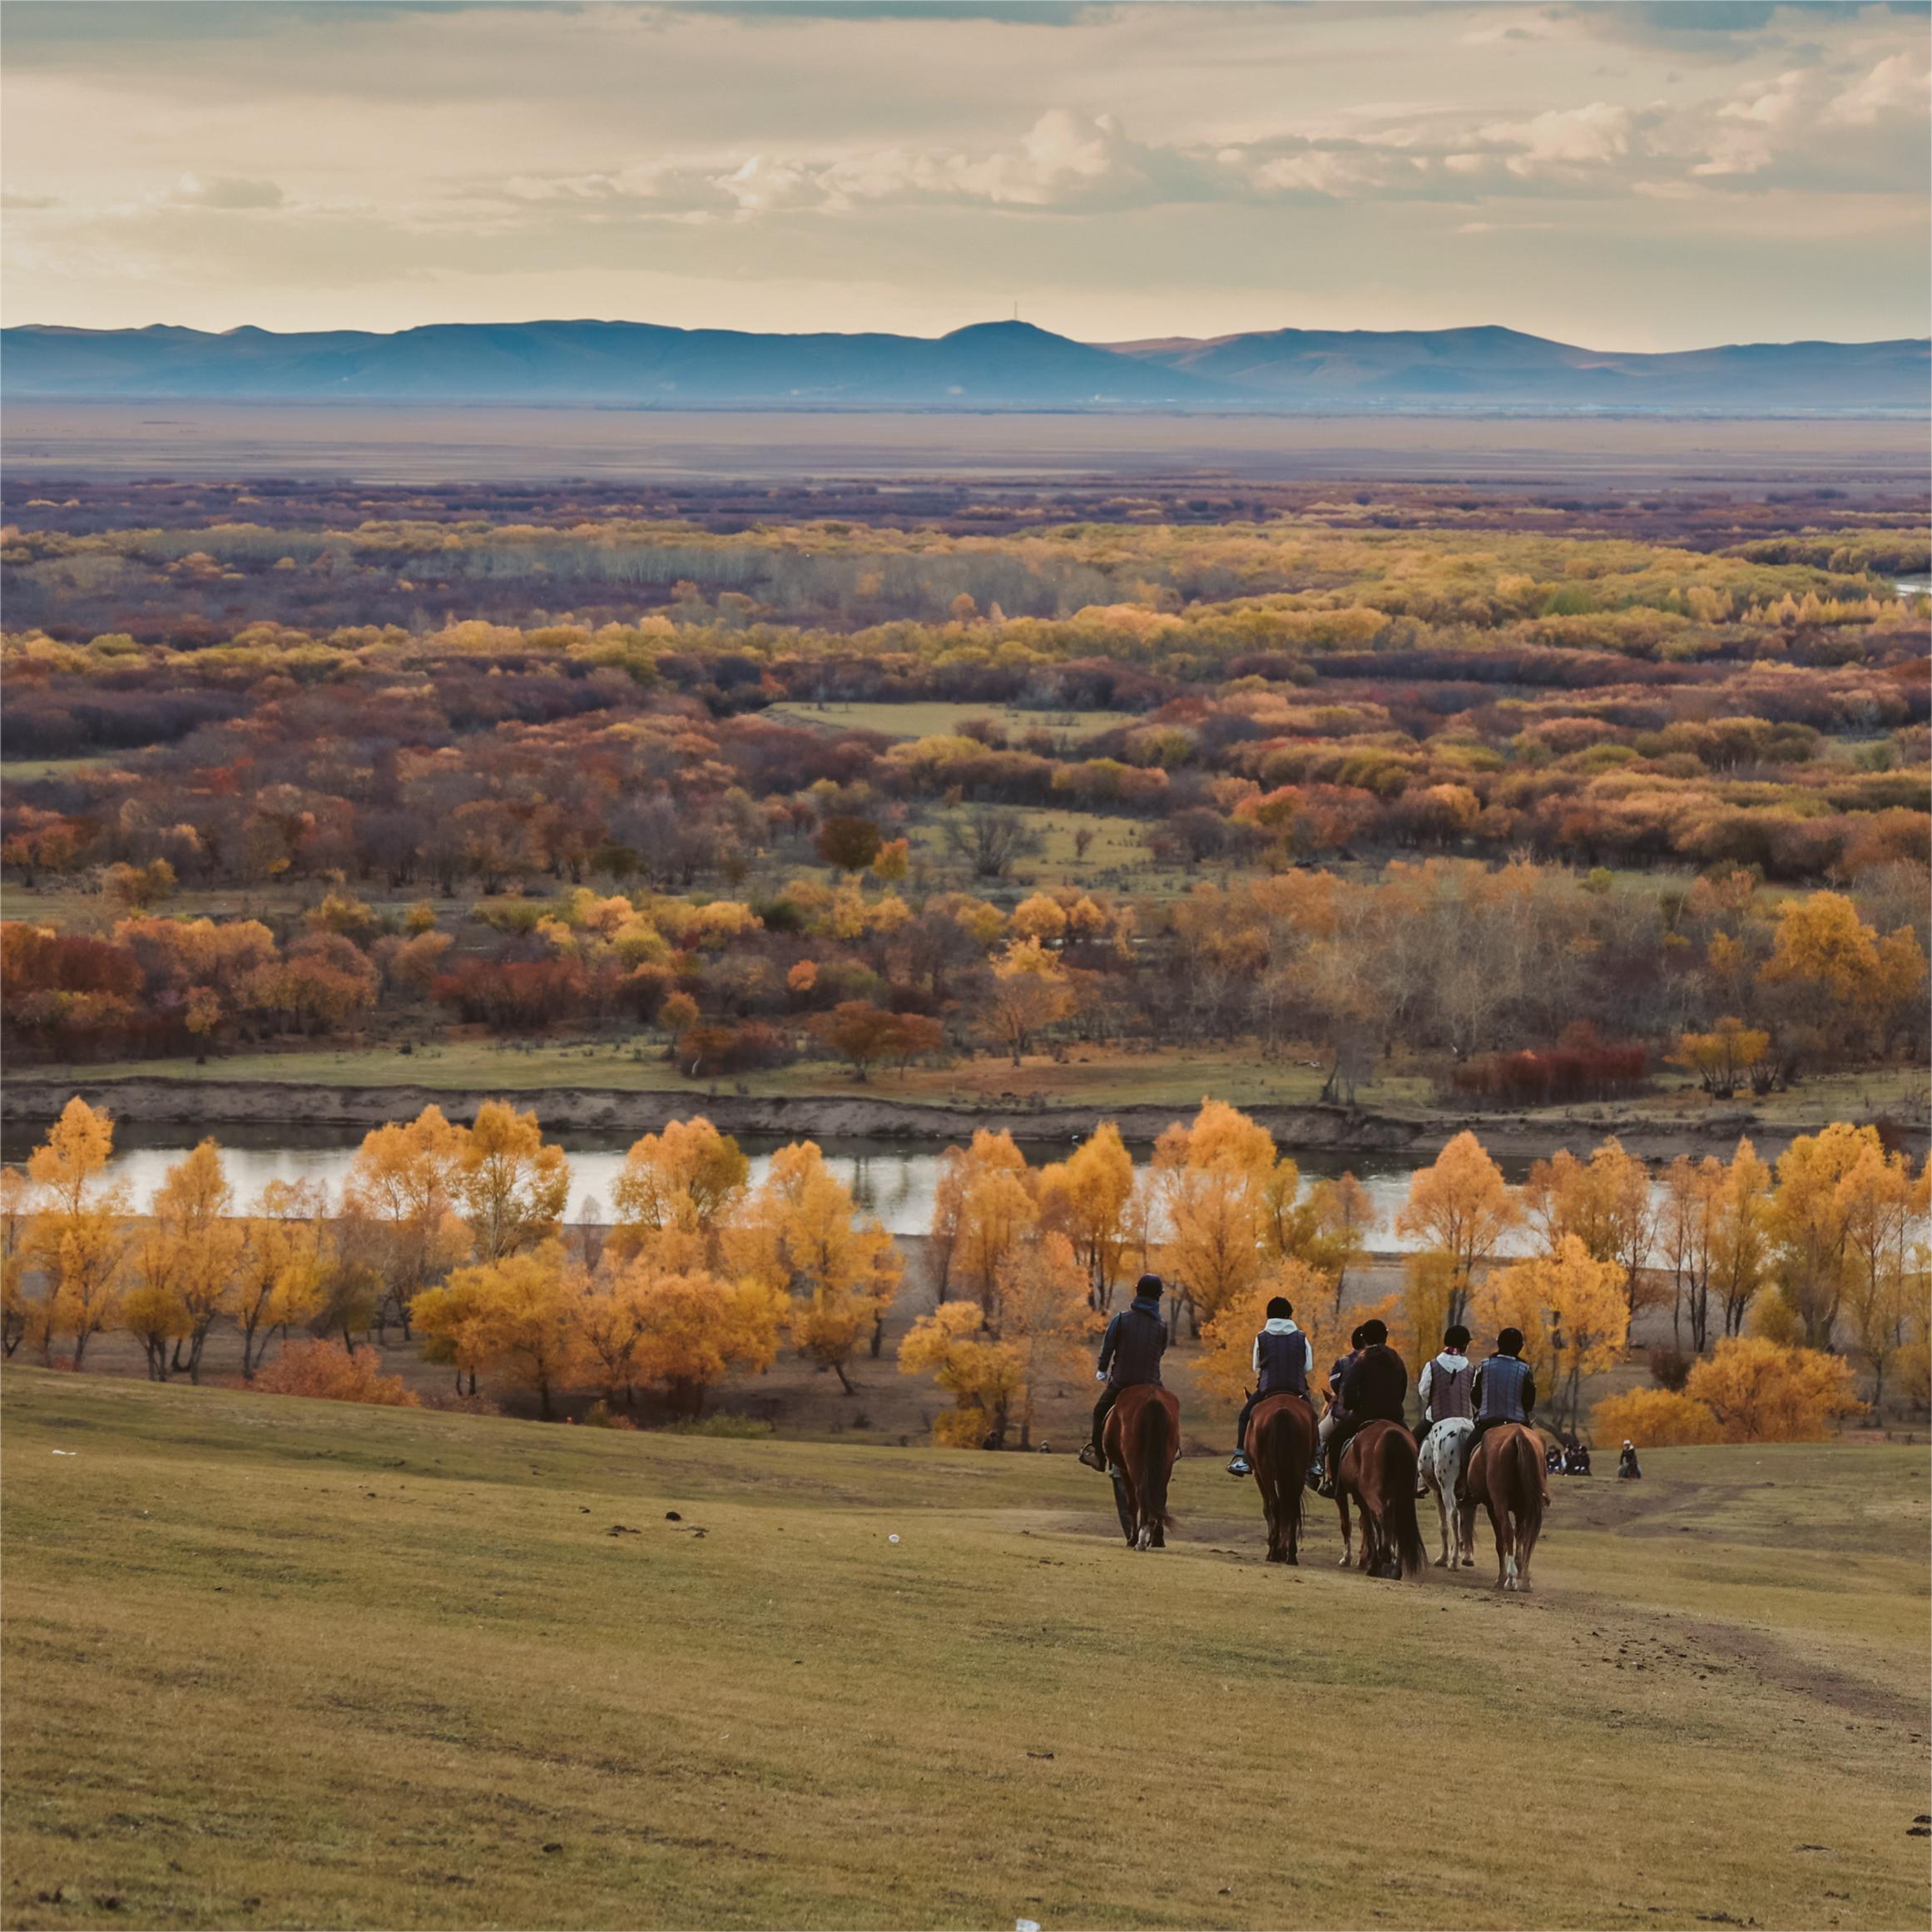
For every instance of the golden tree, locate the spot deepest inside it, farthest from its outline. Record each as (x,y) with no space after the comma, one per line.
(1086,1197)
(402,1185)
(511,1186)
(20,1312)
(974,1220)
(980,1373)
(1047,1316)
(1654,1419)
(1762,1391)
(1606,1203)
(799,1237)
(1810,1223)
(516,1317)
(1687,1222)
(1886,1206)
(1462,1207)
(1216,1182)
(1574,1315)
(698,1328)
(78,1231)
(278,1278)
(1740,1238)
(185,1263)
(677,1193)
(1030,992)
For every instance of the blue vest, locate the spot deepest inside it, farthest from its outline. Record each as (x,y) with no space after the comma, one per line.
(1504,1377)
(1284,1363)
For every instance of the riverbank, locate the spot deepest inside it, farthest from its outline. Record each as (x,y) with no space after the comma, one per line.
(213,1102)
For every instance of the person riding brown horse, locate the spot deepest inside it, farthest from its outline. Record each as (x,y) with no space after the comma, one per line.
(1280,1440)
(1141,1439)
(1377,1467)
(1375,1388)
(1130,1358)
(1505,1474)
(1281,1361)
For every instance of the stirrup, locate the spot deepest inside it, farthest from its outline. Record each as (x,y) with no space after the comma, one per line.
(1091,1456)
(1238,1465)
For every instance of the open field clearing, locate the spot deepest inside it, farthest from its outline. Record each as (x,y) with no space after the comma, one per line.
(280,1662)
(936,718)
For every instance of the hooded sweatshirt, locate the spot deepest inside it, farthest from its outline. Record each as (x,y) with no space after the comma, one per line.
(1445,1376)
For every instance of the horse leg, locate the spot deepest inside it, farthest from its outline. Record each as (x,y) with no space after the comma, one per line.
(1347,1554)
(1466,1534)
(1525,1543)
(1442,1518)
(1371,1538)
(1505,1549)
(1123,1503)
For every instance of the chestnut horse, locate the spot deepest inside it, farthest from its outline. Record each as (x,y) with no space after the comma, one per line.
(1141,1439)
(1506,1475)
(1280,1446)
(1378,1470)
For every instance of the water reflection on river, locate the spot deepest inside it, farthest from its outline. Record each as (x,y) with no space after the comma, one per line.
(893,1179)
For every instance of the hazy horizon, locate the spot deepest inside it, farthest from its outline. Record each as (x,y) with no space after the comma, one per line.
(1629,177)
(932,334)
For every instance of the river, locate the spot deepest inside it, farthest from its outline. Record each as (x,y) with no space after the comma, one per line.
(894,1180)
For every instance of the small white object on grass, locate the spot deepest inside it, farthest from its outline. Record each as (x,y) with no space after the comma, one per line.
(67,1452)
(1026,1925)
(893,1537)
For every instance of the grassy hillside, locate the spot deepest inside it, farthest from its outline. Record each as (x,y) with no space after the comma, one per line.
(280,1662)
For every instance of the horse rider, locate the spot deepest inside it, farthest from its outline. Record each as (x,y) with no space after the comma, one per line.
(1283,1357)
(1129,1356)
(1337,1374)
(1444,1389)
(1375,1389)
(1627,1467)
(1504,1391)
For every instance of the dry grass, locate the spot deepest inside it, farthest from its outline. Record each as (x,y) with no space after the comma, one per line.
(278,1663)
(935,718)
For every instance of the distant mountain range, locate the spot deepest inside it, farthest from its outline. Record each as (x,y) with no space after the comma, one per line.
(991,365)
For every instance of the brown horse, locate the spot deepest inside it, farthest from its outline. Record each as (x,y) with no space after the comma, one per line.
(1378,1470)
(1280,1446)
(1141,1439)
(1505,1474)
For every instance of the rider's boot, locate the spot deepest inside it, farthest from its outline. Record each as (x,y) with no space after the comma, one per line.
(1238,1465)
(1091,1457)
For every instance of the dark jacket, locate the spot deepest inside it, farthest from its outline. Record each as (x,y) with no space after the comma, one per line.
(1376,1384)
(1505,1390)
(1131,1349)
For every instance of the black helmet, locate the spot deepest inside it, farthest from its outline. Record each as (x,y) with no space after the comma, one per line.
(1281,1309)
(1374,1333)
(1149,1288)
(1510,1342)
(1359,1337)
(1457,1337)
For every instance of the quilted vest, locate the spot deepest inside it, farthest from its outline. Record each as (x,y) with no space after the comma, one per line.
(1283,1362)
(1503,1378)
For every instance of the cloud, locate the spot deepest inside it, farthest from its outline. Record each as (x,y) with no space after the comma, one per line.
(1900,84)
(1565,138)
(227,191)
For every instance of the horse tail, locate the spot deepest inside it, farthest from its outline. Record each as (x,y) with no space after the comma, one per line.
(1529,1483)
(1288,1465)
(1399,1507)
(1155,1444)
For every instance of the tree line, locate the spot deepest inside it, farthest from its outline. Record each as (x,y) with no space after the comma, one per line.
(1776,1278)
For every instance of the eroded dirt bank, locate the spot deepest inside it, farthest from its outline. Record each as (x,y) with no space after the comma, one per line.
(217,1103)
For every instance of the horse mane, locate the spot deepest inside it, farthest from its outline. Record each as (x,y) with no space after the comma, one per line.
(1151,1442)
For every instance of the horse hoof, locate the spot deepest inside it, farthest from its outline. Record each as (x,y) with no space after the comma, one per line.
(1442,1562)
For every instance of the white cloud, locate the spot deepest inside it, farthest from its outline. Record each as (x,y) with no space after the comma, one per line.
(1565,138)
(1900,84)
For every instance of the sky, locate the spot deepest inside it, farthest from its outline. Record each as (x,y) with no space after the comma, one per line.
(1625,175)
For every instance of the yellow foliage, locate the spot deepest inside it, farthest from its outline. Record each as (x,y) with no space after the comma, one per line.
(1654,1419)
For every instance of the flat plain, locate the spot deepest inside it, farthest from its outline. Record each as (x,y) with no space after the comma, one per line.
(271,1662)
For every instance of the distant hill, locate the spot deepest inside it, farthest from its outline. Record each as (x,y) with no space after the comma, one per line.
(994,365)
